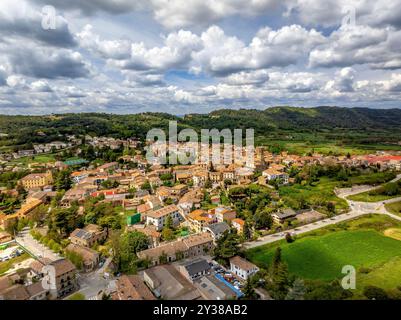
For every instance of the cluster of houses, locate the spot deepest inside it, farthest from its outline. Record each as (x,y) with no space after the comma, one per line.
(189,279)
(178,268)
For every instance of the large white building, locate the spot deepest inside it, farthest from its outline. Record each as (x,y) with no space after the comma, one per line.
(242,268)
(158,217)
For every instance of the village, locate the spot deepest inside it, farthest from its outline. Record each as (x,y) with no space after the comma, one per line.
(131,229)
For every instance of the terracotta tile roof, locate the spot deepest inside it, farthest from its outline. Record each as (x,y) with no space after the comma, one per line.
(242,263)
(133,288)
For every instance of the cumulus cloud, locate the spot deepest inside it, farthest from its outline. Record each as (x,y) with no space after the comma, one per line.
(223,55)
(183,13)
(344,81)
(48,64)
(393,84)
(358,45)
(93,6)
(20,19)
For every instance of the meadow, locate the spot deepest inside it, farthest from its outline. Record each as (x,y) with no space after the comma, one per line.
(362,243)
(394,207)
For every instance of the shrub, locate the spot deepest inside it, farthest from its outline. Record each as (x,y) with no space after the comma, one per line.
(364,270)
(375,293)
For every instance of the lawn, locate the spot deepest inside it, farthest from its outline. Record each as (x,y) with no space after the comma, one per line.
(323,191)
(387,276)
(321,254)
(369,197)
(42,158)
(323,257)
(315,195)
(394,207)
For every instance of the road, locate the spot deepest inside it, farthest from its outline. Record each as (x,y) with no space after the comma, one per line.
(35,248)
(357,209)
(91,284)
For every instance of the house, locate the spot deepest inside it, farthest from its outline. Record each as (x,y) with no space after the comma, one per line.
(190,246)
(132,288)
(224,214)
(167,283)
(216,230)
(88,236)
(199,219)
(36,180)
(212,288)
(215,177)
(90,257)
(37,292)
(149,231)
(274,174)
(199,178)
(75,194)
(309,216)
(5,237)
(242,268)
(179,190)
(158,217)
(238,224)
(108,167)
(283,214)
(62,278)
(195,269)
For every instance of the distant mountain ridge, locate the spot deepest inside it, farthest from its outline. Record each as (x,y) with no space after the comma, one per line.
(386,122)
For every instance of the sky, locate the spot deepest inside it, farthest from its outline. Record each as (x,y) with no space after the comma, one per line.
(195,56)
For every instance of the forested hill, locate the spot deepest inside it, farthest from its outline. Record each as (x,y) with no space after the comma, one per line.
(22,130)
(299,119)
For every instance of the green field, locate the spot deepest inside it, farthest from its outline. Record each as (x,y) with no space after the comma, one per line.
(323,257)
(322,253)
(394,207)
(369,197)
(321,192)
(42,158)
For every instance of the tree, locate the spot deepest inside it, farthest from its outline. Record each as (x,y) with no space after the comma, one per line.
(146,186)
(288,237)
(331,207)
(129,244)
(168,234)
(63,180)
(297,291)
(249,290)
(279,276)
(227,245)
(263,219)
(169,222)
(247,232)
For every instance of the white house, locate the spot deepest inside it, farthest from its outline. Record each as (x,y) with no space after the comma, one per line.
(158,217)
(242,268)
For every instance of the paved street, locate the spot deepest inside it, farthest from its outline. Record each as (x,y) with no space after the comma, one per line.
(357,209)
(38,250)
(91,284)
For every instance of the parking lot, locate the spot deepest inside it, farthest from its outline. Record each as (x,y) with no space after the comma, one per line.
(226,275)
(10,253)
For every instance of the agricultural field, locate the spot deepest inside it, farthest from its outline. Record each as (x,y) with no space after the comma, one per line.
(364,243)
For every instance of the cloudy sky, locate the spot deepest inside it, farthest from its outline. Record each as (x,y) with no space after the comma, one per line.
(182,56)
